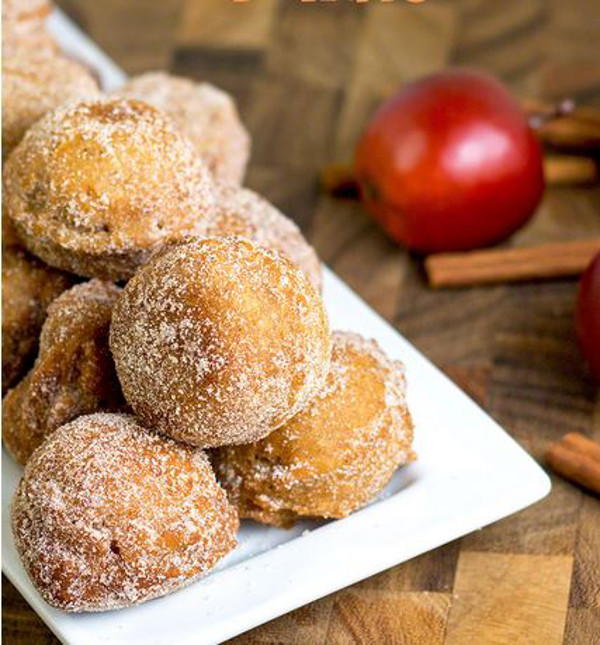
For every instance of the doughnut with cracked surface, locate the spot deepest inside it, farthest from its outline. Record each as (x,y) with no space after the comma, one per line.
(204,113)
(335,455)
(74,373)
(109,514)
(95,187)
(219,341)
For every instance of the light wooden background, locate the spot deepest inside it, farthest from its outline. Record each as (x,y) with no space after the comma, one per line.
(306,76)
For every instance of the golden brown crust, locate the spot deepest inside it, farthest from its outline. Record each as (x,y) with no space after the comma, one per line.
(94,188)
(335,455)
(219,341)
(34,84)
(205,114)
(242,212)
(74,373)
(9,234)
(28,287)
(108,515)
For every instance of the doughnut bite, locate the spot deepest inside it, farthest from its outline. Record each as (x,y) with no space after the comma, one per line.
(94,188)
(34,84)
(108,515)
(205,114)
(219,341)
(28,287)
(334,456)
(242,212)
(73,374)
(24,26)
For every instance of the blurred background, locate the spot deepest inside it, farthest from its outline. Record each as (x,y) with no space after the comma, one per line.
(307,76)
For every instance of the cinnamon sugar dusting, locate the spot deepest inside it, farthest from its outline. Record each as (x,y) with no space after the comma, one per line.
(242,212)
(220,338)
(219,341)
(35,83)
(24,26)
(74,373)
(95,187)
(202,112)
(24,10)
(337,453)
(108,515)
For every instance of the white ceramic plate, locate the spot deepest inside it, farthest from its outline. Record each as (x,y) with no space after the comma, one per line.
(469,473)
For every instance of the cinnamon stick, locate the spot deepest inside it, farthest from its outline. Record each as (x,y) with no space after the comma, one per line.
(580,443)
(338,180)
(576,457)
(571,132)
(489,266)
(565,125)
(567,107)
(562,170)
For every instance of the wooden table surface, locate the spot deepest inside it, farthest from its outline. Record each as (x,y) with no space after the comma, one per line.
(306,76)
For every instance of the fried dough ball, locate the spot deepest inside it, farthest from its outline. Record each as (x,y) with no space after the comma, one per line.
(219,341)
(9,235)
(242,212)
(33,85)
(24,26)
(74,373)
(109,515)
(205,114)
(94,188)
(335,455)
(28,287)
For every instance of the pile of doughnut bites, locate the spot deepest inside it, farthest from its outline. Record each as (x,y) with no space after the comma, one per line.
(168,363)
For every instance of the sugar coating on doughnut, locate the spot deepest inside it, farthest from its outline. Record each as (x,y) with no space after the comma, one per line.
(33,85)
(204,113)
(73,374)
(95,187)
(109,514)
(336,454)
(219,341)
(24,27)
(24,10)
(28,287)
(244,213)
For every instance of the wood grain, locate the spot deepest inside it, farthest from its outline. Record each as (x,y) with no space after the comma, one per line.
(225,25)
(511,598)
(404,617)
(306,77)
(114,25)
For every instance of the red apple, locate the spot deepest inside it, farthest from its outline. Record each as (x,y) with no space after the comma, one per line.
(450,163)
(588,316)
